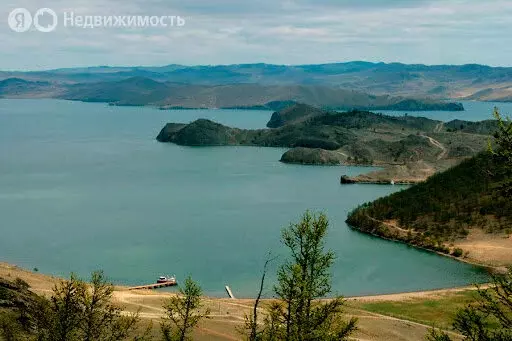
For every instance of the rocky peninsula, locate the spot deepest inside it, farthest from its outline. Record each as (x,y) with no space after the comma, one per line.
(410,149)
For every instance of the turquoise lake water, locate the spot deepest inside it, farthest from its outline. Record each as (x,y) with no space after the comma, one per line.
(86,186)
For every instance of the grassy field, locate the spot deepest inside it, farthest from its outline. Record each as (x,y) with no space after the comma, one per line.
(435,310)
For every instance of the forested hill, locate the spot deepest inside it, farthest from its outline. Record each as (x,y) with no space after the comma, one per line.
(445,207)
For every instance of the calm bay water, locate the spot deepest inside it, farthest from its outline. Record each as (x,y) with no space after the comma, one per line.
(86,186)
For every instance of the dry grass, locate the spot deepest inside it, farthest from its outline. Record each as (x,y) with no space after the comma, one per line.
(489,249)
(387,317)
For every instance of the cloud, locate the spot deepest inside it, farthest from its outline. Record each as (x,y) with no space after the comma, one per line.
(272,31)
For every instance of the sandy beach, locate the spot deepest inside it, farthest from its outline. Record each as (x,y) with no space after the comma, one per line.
(227,314)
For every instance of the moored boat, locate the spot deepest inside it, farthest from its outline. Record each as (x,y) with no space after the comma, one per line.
(167,280)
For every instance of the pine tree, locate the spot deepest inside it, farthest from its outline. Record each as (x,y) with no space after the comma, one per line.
(503,152)
(81,311)
(184,312)
(489,319)
(298,314)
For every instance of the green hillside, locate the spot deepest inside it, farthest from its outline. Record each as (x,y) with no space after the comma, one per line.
(443,208)
(17,307)
(358,137)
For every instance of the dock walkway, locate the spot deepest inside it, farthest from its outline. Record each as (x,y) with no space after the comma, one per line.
(153,286)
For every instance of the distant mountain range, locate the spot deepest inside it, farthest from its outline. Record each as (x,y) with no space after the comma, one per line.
(352,85)
(140,91)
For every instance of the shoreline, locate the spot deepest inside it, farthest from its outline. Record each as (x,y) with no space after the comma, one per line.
(400,296)
(489,268)
(445,107)
(43,283)
(228,315)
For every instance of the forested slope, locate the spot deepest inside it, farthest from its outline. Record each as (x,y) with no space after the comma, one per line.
(443,208)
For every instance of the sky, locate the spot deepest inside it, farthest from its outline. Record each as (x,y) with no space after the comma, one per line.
(264,31)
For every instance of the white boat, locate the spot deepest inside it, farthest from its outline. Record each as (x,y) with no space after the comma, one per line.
(167,279)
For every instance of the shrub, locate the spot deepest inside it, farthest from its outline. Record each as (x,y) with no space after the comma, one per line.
(21,284)
(457,252)
(317,143)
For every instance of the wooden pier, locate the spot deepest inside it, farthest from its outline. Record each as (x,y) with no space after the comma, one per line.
(153,286)
(230,293)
